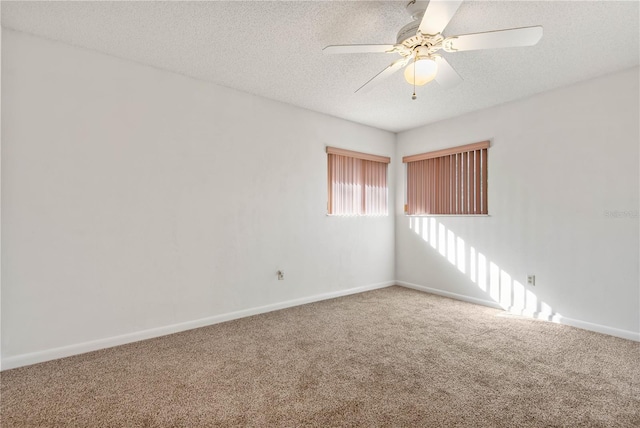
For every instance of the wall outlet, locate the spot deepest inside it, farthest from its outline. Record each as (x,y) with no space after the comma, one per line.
(280,274)
(531,279)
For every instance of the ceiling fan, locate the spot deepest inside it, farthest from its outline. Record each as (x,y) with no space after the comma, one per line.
(418,42)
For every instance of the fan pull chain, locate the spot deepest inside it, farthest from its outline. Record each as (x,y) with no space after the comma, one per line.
(413,97)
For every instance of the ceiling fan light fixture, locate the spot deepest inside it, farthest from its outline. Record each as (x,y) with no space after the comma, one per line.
(419,41)
(421,71)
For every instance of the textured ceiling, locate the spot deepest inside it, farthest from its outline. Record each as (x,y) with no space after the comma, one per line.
(274,49)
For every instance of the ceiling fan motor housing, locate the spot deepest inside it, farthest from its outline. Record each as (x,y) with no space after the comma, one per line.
(416,10)
(408,38)
(408,31)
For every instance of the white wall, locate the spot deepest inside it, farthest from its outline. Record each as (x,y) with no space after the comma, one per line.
(134,198)
(559,162)
(0,199)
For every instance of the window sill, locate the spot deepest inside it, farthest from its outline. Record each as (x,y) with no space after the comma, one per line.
(357,216)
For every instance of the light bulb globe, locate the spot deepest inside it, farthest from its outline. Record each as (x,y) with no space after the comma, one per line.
(425,71)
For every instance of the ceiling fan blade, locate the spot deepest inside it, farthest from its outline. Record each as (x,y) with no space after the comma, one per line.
(446,76)
(525,36)
(349,49)
(438,15)
(395,66)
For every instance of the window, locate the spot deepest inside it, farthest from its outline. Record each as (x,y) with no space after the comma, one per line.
(449,181)
(357,183)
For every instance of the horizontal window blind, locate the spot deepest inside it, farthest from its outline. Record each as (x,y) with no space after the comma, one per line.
(450,181)
(357,185)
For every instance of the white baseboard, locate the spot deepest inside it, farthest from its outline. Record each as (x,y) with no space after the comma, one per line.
(598,328)
(456,296)
(94,345)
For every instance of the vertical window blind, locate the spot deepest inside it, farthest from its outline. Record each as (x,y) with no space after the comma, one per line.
(449,181)
(357,183)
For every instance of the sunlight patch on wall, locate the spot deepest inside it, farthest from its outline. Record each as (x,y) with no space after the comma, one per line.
(505,292)
(433,232)
(482,272)
(486,274)
(451,247)
(442,242)
(425,229)
(461,258)
(472,264)
(494,281)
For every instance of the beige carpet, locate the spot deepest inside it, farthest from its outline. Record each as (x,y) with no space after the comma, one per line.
(391,357)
